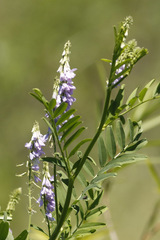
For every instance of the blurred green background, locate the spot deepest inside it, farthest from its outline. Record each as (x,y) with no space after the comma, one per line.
(32,35)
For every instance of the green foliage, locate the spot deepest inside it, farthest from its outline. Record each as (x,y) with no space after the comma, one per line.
(22,236)
(118,141)
(4,229)
(117,148)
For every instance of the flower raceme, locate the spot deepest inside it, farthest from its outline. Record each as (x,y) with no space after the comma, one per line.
(35,146)
(63,86)
(47,195)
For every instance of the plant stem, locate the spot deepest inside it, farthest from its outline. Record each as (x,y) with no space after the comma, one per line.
(72,179)
(55,193)
(103,119)
(29,197)
(65,210)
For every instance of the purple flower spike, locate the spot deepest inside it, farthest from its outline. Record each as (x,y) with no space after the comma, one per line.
(63,87)
(35,146)
(47,197)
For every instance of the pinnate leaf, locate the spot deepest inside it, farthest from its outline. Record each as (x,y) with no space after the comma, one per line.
(73,137)
(75,149)
(65,116)
(69,124)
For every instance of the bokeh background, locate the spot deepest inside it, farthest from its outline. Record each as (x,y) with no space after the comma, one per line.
(32,35)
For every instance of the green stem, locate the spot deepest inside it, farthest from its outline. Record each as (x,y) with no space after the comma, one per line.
(103,119)
(55,193)
(29,197)
(61,150)
(55,181)
(72,179)
(64,212)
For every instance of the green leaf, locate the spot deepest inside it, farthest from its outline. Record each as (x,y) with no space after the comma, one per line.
(120,134)
(4,229)
(102,152)
(60,109)
(122,159)
(65,116)
(63,177)
(88,168)
(106,60)
(132,101)
(52,104)
(75,149)
(91,160)
(84,232)
(142,94)
(98,211)
(92,224)
(69,124)
(118,100)
(132,98)
(131,129)
(91,193)
(157,92)
(61,192)
(39,96)
(69,130)
(110,142)
(96,201)
(120,109)
(37,228)
(101,177)
(144,90)
(82,179)
(90,186)
(55,160)
(49,125)
(22,236)
(73,137)
(137,145)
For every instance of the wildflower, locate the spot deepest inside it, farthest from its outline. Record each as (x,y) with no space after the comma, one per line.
(47,195)
(35,146)
(63,87)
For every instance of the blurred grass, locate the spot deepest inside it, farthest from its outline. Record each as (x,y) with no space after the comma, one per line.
(32,35)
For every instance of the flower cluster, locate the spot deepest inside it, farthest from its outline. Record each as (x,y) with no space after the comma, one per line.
(35,146)
(63,87)
(47,195)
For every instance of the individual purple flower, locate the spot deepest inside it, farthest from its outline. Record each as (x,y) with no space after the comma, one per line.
(35,146)
(47,196)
